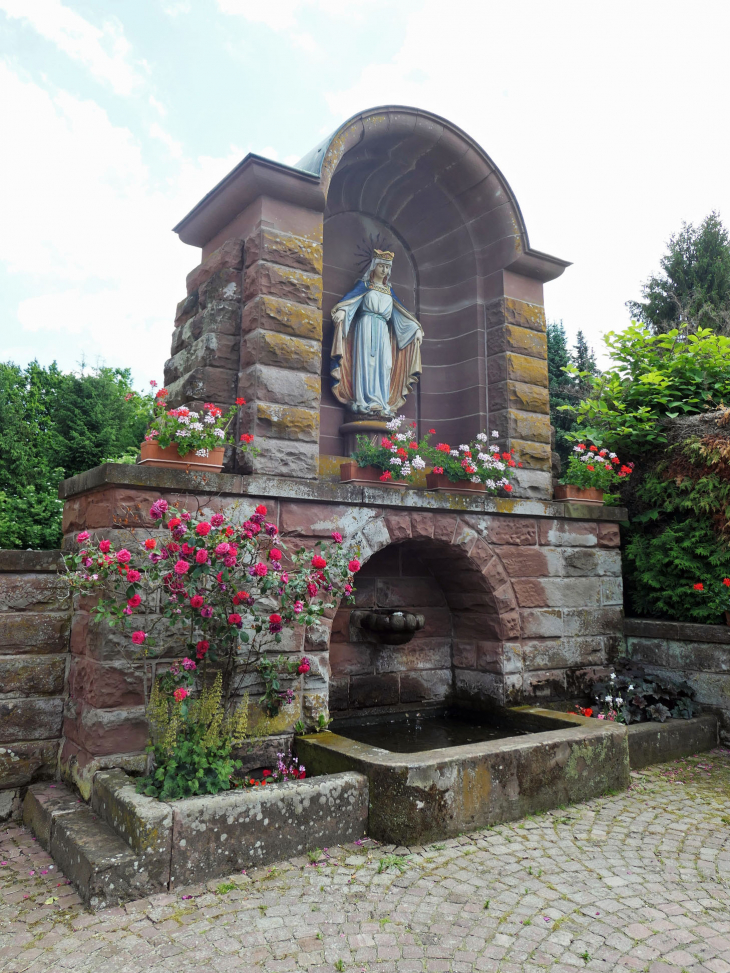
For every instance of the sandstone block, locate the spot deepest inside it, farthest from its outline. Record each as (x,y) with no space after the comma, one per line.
(210,350)
(23,762)
(422,524)
(107,731)
(224,285)
(563,653)
(186,309)
(285,317)
(532,484)
(32,592)
(206,384)
(609,535)
(517,395)
(508,530)
(30,719)
(286,283)
(541,623)
(591,561)
(352,659)
(265,383)
(512,367)
(523,341)
(220,318)
(410,593)
(221,834)
(105,685)
(490,656)
(510,311)
(32,675)
(593,621)
(398,525)
(26,633)
(339,694)
(530,426)
(281,457)
(464,653)
(425,687)
(530,562)
(229,255)
(282,351)
(413,656)
(284,248)
(544,685)
(479,685)
(568,533)
(380,690)
(477,626)
(285,422)
(557,592)
(612,591)
(532,455)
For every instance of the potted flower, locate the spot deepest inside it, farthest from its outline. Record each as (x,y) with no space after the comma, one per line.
(591,472)
(473,466)
(391,461)
(184,439)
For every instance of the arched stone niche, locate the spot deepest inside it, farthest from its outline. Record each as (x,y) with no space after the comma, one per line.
(279,247)
(463,264)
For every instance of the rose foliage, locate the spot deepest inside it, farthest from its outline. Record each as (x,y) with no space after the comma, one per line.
(224,594)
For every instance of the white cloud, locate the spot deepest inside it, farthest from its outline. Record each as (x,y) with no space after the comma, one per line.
(104,51)
(175,7)
(89,225)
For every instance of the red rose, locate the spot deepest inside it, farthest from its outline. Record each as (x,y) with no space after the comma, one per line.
(174,522)
(133,575)
(197,601)
(275,554)
(203,529)
(432,432)
(150,543)
(134,601)
(275,618)
(318,561)
(261,510)
(104,546)
(201,556)
(260,570)
(234,619)
(354,565)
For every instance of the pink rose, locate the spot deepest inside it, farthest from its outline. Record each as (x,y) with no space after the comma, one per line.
(202,556)
(133,575)
(123,556)
(134,601)
(230,561)
(104,546)
(336,537)
(181,567)
(354,565)
(222,549)
(275,554)
(83,536)
(260,570)
(139,637)
(217,520)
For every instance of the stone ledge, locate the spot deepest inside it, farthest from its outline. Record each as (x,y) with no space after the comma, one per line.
(24,562)
(651,628)
(155,478)
(658,743)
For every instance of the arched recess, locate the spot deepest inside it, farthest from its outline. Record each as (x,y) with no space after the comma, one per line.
(449,214)
(444,570)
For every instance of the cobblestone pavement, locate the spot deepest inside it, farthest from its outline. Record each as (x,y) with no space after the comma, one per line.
(637,881)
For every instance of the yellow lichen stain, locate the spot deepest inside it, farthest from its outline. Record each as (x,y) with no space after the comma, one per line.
(285,245)
(297,319)
(289,352)
(504,505)
(529,371)
(288,422)
(476,789)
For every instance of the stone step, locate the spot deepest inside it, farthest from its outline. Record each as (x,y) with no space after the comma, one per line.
(99,863)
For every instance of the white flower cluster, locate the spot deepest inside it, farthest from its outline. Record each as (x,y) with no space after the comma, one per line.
(495,434)
(418,463)
(197,425)
(401,437)
(183,432)
(482,437)
(395,423)
(219,433)
(201,452)
(208,419)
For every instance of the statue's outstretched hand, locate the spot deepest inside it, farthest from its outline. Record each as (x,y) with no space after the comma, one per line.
(338,317)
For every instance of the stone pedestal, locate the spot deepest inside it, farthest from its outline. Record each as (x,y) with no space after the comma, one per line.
(372,429)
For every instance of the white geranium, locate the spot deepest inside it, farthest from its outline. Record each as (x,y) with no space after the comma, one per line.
(482,437)
(475,479)
(396,460)
(197,425)
(453,452)
(208,420)
(201,452)
(464,448)
(494,449)
(219,433)
(401,437)
(484,457)
(418,463)
(495,434)
(183,432)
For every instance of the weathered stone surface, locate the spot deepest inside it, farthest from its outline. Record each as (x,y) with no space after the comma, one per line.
(221,834)
(510,311)
(429,686)
(541,623)
(517,395)
(208,351)
(557,592)
(281,351)
(520,425)
(105,685)
(186,309)
(370,690)
(592,621)
(285,283)
(212,384)
(28,760)
(107,731)
(282,457)
(284,248)
(510,530)
(285,422)
(223,318)
(30,719)
(286,317)
(143,823)
(523,341)
(658,743)
(223,286)
(564,653)
(30,592)
(266,383)
(533,455)
(43,805)
(683,631)
(30,633)
(230,254)
(27,562)
(481,784)
(32,675)
(513,367)
(565,533)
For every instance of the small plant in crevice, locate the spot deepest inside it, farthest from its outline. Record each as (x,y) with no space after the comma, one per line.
(631,696)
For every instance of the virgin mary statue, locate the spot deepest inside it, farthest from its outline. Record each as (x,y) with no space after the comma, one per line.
(376,350)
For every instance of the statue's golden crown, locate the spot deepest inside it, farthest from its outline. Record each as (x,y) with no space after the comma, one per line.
(383,255)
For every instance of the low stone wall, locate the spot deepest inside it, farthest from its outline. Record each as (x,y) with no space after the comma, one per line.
(35,622)
(700,654)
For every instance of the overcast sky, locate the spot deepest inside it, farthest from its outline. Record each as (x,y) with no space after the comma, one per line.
(609,120)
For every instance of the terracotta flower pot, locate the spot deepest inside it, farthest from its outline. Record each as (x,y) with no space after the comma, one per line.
(366,476)
(440,481)
(583,494)
(155,455)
